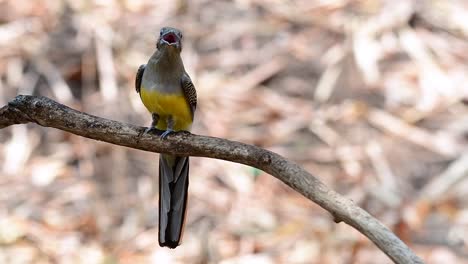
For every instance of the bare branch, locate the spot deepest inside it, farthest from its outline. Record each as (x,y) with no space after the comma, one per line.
(48,113)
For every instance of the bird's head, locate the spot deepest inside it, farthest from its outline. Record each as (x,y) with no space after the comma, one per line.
(170,39)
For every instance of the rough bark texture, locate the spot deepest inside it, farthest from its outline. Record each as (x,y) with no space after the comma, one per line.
(48,113)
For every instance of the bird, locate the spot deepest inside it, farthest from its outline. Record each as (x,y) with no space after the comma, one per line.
(169,95)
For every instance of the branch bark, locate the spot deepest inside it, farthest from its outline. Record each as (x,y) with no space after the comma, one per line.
(48,113)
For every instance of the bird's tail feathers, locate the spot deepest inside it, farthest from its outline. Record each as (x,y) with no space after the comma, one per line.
(173,186)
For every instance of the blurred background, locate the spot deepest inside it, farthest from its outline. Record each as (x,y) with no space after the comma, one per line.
(369,96)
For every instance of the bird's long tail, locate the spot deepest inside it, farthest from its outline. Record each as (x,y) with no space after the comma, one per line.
(173,186)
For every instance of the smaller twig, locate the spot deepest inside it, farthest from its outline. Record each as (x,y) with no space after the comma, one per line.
(381,166)
(387,188)
(441,184)
(17,151)
(28,83)
(10,31)
(259,74)
(367,49)
(326,133)
(58,85)
(440,144)
(448,16)
(329,78)
(105,63)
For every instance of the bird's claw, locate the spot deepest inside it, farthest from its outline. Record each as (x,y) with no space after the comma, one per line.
(147,130)
(167,132)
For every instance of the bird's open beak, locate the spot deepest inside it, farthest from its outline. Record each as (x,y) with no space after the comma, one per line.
(171,39)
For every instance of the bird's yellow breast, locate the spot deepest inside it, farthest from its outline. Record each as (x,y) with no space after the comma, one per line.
(166,105)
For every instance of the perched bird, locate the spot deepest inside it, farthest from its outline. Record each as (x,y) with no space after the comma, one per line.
(169,95)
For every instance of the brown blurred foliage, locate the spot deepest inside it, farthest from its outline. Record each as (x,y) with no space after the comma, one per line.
(370,96)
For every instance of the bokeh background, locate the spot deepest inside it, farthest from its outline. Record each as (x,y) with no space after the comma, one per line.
(369,96)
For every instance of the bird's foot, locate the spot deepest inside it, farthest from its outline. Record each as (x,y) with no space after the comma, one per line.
(167,132)
(146,131)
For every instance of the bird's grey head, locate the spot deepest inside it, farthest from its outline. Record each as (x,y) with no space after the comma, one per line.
(170,39)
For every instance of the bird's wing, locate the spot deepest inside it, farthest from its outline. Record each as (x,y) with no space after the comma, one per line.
(189,92)
(139,77)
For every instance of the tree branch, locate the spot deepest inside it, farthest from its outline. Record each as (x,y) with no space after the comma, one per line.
(48,113)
